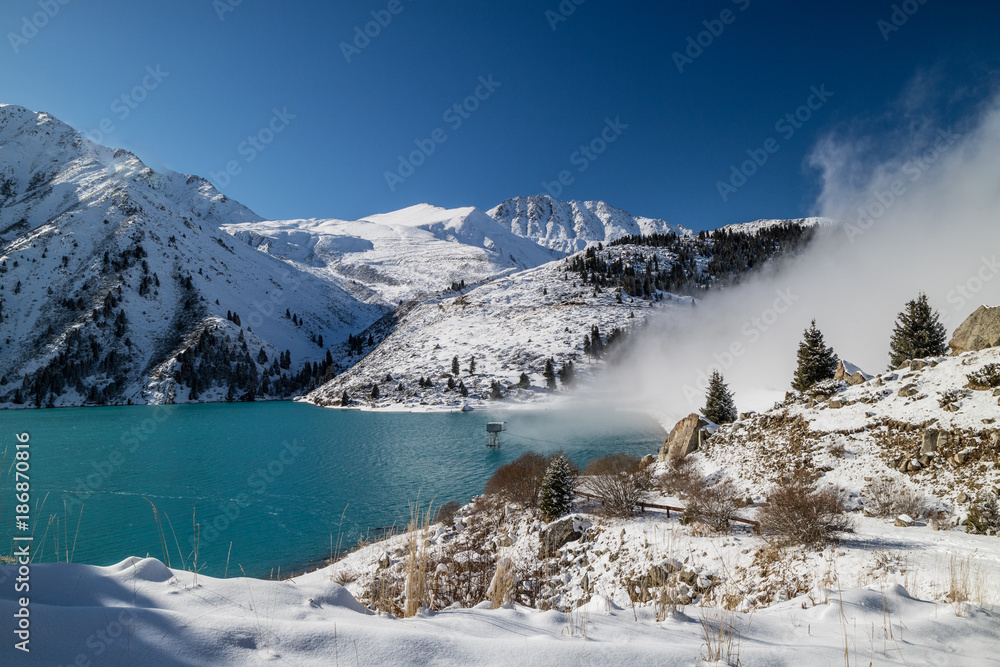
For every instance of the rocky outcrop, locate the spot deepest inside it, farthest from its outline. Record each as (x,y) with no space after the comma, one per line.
(980,331)
(555,535)
(851,374)
(686,436)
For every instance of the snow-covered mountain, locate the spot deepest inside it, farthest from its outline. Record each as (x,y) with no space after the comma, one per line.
(398,256)
(569,226)
(111,270)
(122,284)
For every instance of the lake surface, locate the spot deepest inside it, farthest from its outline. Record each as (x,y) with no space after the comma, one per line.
(273,482)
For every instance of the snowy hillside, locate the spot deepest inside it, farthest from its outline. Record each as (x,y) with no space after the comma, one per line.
(922,425)
(408,254)
(510,325)
(569,226)
(111,270)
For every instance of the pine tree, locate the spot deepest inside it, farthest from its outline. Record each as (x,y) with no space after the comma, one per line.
(549,375)
(719,406)
(462,389)
(455,370)
(567,374)
(557,489)
(524,382)
(374,393)
(816,361)
(918,333)
(472,366)
(345,399)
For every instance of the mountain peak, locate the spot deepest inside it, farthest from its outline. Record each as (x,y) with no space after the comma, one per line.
(570,226)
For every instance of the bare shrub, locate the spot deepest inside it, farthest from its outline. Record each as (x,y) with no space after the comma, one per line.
(680,479)
(446,513)
(714,505)
(519,481)
(468,561)
(796,514)
(885,497)
(345,576)
(620,482)
(938,519)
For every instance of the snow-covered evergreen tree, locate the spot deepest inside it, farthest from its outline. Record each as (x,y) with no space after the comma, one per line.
(719,405)
(918,333)
(557,489)
(549,375)
(817,362)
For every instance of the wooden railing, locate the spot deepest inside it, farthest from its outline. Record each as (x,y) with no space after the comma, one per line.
(670,508)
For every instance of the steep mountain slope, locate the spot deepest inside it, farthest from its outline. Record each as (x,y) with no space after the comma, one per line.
(400,256)
(510,325)
(569,226)
(111,270)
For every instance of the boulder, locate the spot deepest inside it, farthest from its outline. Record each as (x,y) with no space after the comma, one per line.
(980,331)
(686,436)
(904,521)
(908,390)
(930,441)
(646,461)
(851,374)
(558,533)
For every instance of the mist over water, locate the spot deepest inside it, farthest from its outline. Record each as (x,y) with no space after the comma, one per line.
(918,203)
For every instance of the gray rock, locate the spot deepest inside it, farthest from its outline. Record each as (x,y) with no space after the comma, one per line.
(556,534)
(904,521)
(908,390)
(930,442)
(686,437)
(980,331)
(963,497)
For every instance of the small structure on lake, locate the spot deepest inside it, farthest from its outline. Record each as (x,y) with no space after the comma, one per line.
(493,431)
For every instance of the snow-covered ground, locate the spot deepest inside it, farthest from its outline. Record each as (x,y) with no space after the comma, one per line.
(138,612)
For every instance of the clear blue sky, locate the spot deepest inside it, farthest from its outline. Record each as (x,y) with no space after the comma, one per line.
(557,87)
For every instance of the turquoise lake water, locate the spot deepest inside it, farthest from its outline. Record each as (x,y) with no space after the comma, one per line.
(270,481)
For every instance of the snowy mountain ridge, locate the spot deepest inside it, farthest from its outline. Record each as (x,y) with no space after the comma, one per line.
(399,256)
(570,226)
